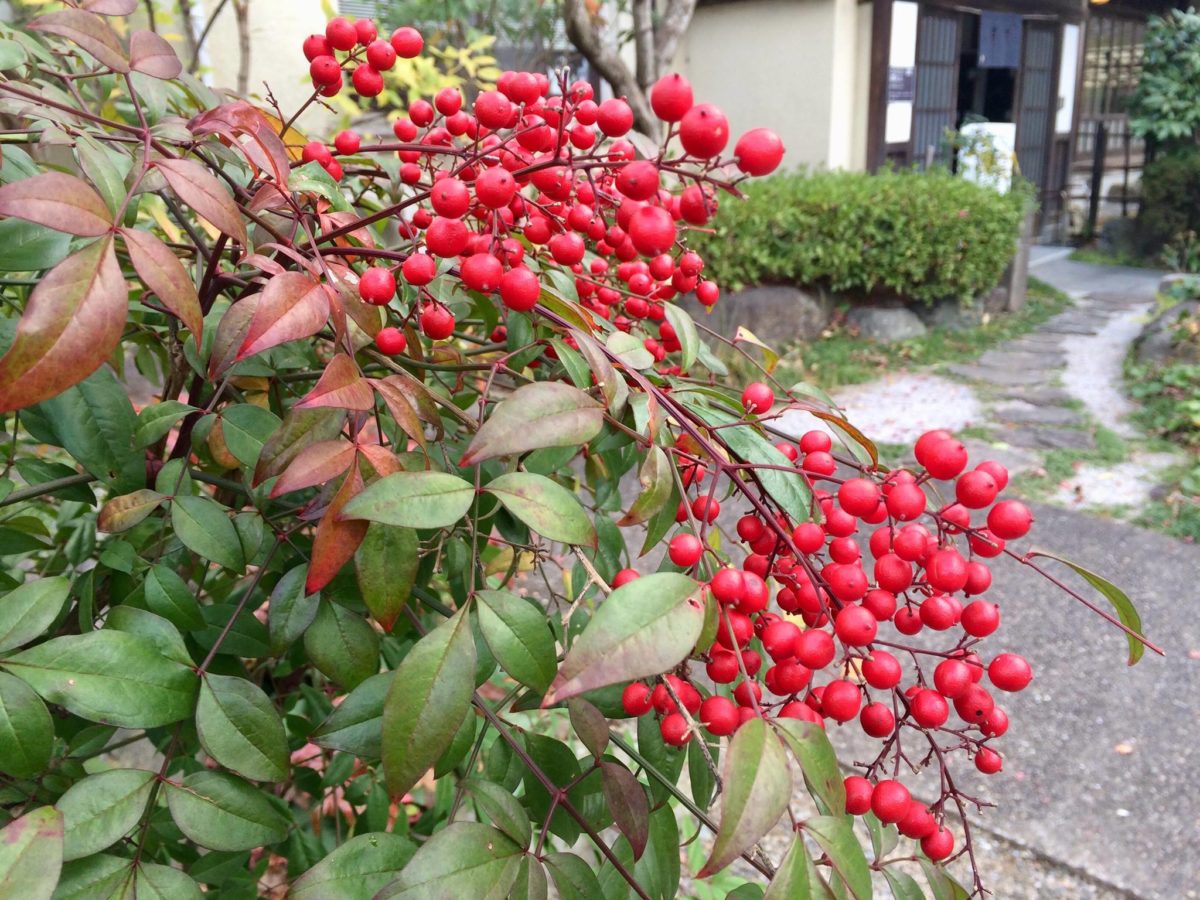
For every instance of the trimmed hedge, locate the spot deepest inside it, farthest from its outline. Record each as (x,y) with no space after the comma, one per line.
(922,235)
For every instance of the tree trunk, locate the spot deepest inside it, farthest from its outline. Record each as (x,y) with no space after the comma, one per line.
(241,11)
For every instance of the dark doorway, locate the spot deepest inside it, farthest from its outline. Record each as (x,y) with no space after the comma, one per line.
(989,57)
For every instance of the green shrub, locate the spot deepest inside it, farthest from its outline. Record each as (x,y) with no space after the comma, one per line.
(1170,197)
(924,236)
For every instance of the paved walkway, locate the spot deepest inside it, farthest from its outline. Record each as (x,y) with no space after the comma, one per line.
(1099,797)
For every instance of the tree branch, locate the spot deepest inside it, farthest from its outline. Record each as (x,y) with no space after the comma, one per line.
(643,43)
(674,24)
(583,32)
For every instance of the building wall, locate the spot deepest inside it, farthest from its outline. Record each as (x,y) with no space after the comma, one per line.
(790,65)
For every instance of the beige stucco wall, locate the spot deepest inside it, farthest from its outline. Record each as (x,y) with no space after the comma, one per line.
(277,30)
(790,65)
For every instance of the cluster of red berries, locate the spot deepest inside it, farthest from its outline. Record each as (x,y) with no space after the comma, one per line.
(831,609)
(534,176)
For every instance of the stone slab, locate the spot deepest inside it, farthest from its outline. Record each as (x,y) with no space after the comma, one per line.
(1000,377)
(1046,438)
(1021,413)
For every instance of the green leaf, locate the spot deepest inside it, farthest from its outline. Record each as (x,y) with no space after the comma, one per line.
(102,808)
(342,645)
(557,762)
(94,422)
(531,881)
(156,629)
(835,834)
(102,875)
(685,332)
(220,811)
(152,881)
(386,563)
(356,870)
(300,428)
(205,529)
(884,838)
(630,350)
(428,701)
(31,849)
(28,610)
(657,483)
(465,859)
(246,428)
(519,637)
(904,887)
(786,485)
(645,627)
(545,506)
(124,512)
(542,414)
(757,788)
(310,178)
(818,760)
(1126,611)
(26,731)
(502,808)
(573,878)
(239,728)
(27,247)
(168,595)
(157,419)
(109,677)
(356,724)
(12,55)
(413,500)
(795,876)
(291,610)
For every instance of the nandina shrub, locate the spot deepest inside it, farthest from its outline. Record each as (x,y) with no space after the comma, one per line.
(358,488)
(924,236)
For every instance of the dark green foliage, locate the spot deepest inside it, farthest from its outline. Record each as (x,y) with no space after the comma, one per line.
(1170,196)
(1166,105)
(924,236)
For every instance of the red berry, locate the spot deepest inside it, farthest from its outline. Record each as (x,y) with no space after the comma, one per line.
(975,705)
(748,694)
(636,698)
(391,341)
(625,576)
(758,398)
(381,55)
(858,794)
(347,142)
(520,289)
(779,639)
(722,668)
(639,181)
(315,151)
(685,550)
(882,670)
(952,677)
(437,322)
(652,230)
(446,237)
(758,152)
(719,715)
(325,70)
(674,728)
(1010,519)
(727,586)
(481,272)
(671,97)
(815,649)
(905,502)
(708,293)
(367,81)
(939,845)
(419,269)
(317,45)
(980,618)
(815,441)
(377,285)
(450,198)
(567,248)
(889,801)
(975,489)
(614,117)
(946,459)
(998,472)
(407,42)
(1010,672)
(858,496)
(495,187)
(946,570)
(939,612)
(877,720)
(841,700)
(988,761)
(704,131)
(341,34)
(929,709)
(996,723)
(365,31)
(918,822)
(855,626)
(448,101)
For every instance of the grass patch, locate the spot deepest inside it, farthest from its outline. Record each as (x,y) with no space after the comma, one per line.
(843,358)
(1099,257)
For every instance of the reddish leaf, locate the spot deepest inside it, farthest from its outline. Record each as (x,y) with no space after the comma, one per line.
(199,189)
(336,540)
(58,201)
(542,414)
(292,306)
(315,464)
(300,428)
(111,7)
(231,332)
(153,56)
(340,385)
(245,126)
(165,275)
(382,459)
(71,324)
(628,804)
(88,31)
(405,404)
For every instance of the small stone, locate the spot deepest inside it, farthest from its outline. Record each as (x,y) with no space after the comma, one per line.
(886,324)
(1048,438)
(1000,377)
(1021,413)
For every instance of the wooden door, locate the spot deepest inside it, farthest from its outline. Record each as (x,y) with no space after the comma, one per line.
(1036,102)
(935,105)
